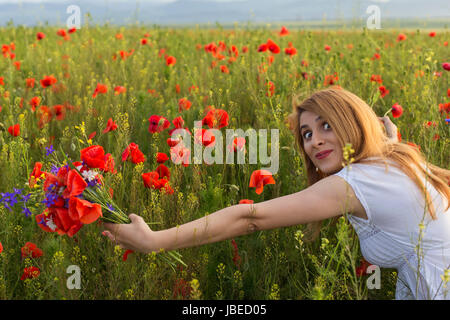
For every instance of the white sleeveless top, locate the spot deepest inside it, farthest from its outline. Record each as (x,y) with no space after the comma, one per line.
(396,212)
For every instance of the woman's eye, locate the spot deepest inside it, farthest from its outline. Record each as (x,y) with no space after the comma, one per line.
(327,125)
(307,134)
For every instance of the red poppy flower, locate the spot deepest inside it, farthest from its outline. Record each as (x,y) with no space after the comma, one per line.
(238,144)
(397,110)
(75,184)
(48,81)
(110,126)
(1,247)
(245,201)
(361,270)
(290,50)
(14,130)
(163,171)
(383,91)
(330,79)
(31,250)
(376,78)
(109,164)
(259,179)
(150,179)
(133,152)
(172,142)
(40,35)
(401,37)
(178,122)
(262,48)
(127,252)
(216,118)
(45,116)
(448,92)
(205,137)
(61,32)
(224,69)
(30,272)
(35,174)
(72,30)
(444,107)
(180,154)
(284,31)
(34,102)
(177,88)
(161,157)
(84,211)
(446,66)
(93,156)
(59,111)
(432,34)
(244,49)
(2,82)
(92,135)
(64,223)
(119,90)
(17,64)
(327,48)
(273,47)
(101,88)
(170,61)
(270,88)
(158,123)
(184,104)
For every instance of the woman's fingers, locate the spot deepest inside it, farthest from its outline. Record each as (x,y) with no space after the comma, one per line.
(391,128)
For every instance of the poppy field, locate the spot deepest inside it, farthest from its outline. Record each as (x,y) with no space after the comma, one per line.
(99,105)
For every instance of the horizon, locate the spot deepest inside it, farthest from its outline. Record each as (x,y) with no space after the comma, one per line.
(323,13)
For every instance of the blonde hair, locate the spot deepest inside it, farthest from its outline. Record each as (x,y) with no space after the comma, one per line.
(353,121)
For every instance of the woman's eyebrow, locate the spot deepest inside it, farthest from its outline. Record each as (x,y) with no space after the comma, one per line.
(305,125)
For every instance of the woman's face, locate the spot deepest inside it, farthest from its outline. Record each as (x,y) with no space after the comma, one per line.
(320,142)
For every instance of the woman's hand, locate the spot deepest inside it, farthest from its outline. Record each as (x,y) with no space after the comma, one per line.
(391,128)
(136,236)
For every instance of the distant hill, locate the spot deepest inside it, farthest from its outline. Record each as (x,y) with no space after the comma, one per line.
(220,11)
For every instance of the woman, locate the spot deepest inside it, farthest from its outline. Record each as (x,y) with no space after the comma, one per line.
(397,202)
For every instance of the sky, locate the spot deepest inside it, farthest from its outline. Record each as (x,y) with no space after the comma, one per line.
(53,12)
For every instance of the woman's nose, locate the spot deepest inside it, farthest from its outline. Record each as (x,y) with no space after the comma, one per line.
(317,139)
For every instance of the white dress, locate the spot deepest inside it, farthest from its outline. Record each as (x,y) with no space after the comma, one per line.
(397,223)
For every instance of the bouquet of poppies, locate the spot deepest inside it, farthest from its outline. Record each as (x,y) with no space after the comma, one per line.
(73,194)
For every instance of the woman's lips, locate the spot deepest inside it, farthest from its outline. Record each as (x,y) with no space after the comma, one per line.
(323,154)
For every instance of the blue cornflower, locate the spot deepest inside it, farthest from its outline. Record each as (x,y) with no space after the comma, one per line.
(25,198)
(49,150)
(447,120)
(9,199)
(27,212)
(50,200)
(92,183)
(110,207)
(54,169)
(51,187)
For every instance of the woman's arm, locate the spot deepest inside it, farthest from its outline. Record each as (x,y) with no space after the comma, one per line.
(325,199)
